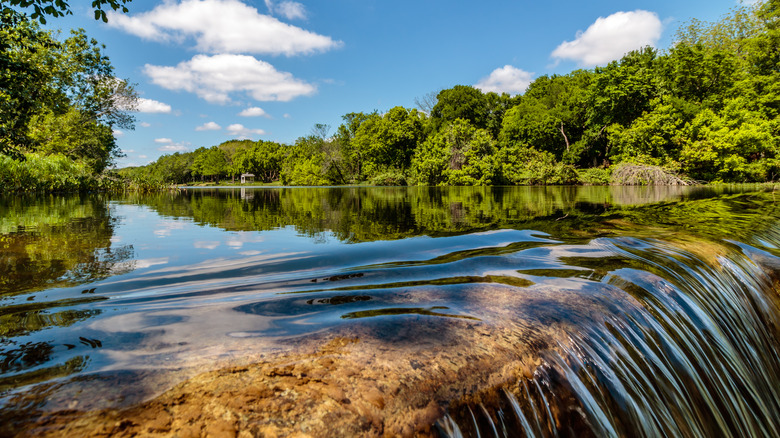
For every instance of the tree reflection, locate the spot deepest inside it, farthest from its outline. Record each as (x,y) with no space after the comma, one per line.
(50,242)
(361,214)
(57,241)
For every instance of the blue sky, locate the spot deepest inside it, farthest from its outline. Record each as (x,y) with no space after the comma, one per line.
(212,70)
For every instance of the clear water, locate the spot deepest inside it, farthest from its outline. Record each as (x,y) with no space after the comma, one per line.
(645,311)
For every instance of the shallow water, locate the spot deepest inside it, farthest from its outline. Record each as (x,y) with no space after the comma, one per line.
(633,311)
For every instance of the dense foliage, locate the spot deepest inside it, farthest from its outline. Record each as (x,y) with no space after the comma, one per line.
(59,105)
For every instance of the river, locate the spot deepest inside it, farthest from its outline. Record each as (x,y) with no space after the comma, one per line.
(507,311)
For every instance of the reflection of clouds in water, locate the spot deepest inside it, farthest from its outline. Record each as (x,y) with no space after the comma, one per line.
(178,277)
(164,227)
(116,239)
(249,253)
(127,266)
(205,244)
(175,337)
(237,240)
(145,263)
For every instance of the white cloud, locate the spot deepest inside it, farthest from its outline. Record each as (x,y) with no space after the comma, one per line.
(239,131)
(254,112)
(145,125)
(173,148)
(143,156)
(287,116)
(291,10)
(214,78)
(506,79)
(224,26)
(209,126)
(152,106)
(612,37)
(117,133)
(168,145)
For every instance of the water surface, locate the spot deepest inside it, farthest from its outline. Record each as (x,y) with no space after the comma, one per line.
(620,301)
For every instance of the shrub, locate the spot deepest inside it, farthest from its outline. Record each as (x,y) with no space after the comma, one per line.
(594,176)
(521,165)
(390,177)
(50,173)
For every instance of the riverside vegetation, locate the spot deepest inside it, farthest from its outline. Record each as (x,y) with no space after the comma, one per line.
(706,109)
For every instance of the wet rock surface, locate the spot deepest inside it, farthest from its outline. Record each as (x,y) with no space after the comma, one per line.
(391,376)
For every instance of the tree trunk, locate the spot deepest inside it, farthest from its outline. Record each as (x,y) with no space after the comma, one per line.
(564,137)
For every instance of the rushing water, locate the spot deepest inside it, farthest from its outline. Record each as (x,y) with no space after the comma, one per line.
(604,311)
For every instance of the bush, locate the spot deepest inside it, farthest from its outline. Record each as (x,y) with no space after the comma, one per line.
(50,173)
(306,172)
(392,177)
(521,165)
(594,176)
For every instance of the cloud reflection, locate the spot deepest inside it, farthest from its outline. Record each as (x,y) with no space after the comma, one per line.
(205,244)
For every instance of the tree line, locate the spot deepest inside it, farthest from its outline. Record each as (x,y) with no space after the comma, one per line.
(705,109)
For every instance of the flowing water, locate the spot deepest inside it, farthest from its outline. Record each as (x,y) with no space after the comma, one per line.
(528,311)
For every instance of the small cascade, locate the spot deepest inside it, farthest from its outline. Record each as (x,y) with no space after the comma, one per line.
(697,355)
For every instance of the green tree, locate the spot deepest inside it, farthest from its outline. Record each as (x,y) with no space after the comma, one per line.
(352,155)
(618,94)
(388,141)
(461,102)
(175,168)
(211,162)
(458,154)
(698,74)
(25,79)
(551,116)
(45,78)
(656,137)
(737,144)
(76,136)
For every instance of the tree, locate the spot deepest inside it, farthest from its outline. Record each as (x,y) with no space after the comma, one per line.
(458,154)
(42,76)
(76,136)
(551,115)
(175,168)
(25,81)
(388,142)
(85,78)
(736,144)
(210,162)
(350,150)
(699,74)
(618,94)
(656,137)
(533,123)
(460,102)
(60,8)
